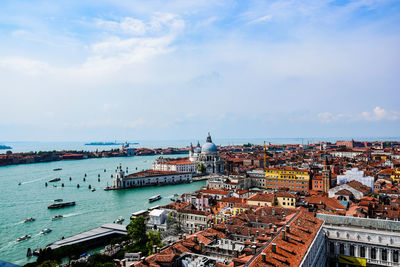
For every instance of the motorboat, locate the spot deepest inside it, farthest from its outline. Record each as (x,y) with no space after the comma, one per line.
(175,197)
(120,220)
(57,217)
(31,219)
(155,198)
(45,231)
(57,169)
(22,238)
(54,180)
(61,205)
(93,189)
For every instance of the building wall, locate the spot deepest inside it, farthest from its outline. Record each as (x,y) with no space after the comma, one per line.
(295,180)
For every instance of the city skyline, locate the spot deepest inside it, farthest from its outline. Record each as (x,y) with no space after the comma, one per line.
(178,69)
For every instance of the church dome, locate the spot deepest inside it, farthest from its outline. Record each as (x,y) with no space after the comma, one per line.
(209,147)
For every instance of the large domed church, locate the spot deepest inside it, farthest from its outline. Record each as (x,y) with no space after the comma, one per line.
(207,156)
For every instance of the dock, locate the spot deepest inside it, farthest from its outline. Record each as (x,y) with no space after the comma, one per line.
(93,237)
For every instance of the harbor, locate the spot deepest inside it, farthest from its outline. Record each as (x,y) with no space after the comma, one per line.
(92,209)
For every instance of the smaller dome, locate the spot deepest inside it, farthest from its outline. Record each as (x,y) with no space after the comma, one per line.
(209,147)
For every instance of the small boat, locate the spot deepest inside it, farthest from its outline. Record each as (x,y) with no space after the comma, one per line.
(19,183)
(175,197)
(57,169)
(120,220)
(57,217)
(45,231)
(93,189)
(22,238)
(31,219)
(58,200)
(54,185)
(61,205)
(54,180)
(155,198)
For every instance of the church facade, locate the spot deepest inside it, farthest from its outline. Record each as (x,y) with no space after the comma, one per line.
(207,157)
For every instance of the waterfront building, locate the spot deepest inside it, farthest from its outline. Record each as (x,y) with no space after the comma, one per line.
(148,178)
(294,179)
(228,182)
(207,157)
(176,165)
(355,175)
(361,241)
(346,153)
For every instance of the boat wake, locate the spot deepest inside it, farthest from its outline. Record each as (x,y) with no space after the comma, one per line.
(9,244)
(32,181)
(74,214)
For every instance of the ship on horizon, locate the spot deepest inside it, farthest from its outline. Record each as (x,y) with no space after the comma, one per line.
(109,143)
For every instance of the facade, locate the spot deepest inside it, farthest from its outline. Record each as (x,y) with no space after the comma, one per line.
(175,165)
(207,156)
(294,179)
(157,220)
(148,178)
(192,220)
(355,175)
(362,241)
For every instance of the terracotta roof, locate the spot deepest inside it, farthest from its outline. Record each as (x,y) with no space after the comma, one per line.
(263,197)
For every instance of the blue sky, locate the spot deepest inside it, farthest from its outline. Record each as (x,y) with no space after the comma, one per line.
(134,70)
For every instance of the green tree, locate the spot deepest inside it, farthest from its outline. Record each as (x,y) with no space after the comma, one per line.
(137,231)
(154,239)
(201,168)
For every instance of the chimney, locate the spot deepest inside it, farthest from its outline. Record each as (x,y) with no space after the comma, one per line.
(254,249)
(195,238)
(273,248)
(201,247)
(273,212)
(287,228)
(263,257)
(284,235)
(154,249)
(284,217)
(158,250)
(140,255)
(275,228)
(257,233)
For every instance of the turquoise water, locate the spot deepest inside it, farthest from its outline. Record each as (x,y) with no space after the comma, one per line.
(31,198)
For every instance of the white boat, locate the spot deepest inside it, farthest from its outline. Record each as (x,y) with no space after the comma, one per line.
(31,219)
(175,197)
(57,217)
(93,189)
(45,231)
(155,198)
(120,220)
(22,238)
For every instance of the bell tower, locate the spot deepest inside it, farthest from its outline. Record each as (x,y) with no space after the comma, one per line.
(326,176)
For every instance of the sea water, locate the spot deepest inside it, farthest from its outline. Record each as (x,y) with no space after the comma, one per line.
(92,209)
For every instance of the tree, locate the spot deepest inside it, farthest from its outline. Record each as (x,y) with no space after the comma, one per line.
(154,239)
(201,168)
(137,231)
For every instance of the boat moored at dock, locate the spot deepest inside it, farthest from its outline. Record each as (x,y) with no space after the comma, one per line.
(61,205)
(155,198)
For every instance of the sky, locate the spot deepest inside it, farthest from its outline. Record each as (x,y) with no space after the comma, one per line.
(166,70)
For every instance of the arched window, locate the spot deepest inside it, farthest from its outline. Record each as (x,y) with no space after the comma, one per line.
(373,253)
(341,249)
(362,252)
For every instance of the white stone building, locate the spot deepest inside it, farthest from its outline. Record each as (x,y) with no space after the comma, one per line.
(372,241)
(207,155)
(355,175)
(148,178)
(175,165)
(158,220)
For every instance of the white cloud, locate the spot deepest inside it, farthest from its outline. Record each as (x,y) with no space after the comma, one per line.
(379,114)
(261,19)
(25,65)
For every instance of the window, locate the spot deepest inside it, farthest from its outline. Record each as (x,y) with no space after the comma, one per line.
(384,254)
(351,250)
(332,248)
(373,253)
(341,249)
(362,252)
(395,256)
